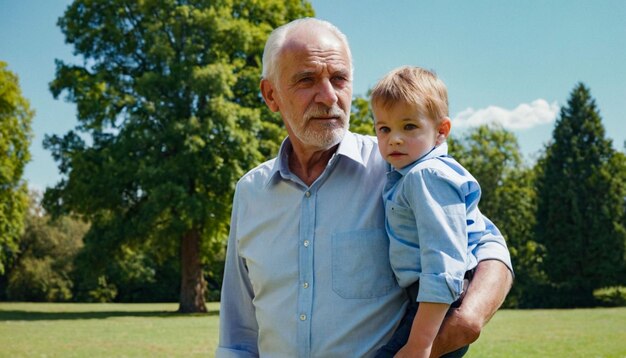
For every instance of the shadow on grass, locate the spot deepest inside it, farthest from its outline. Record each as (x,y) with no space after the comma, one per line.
(17,315)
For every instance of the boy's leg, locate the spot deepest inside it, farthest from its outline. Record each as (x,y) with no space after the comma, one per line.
(401,335)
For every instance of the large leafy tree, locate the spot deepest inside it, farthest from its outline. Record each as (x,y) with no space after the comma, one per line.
(15,136)
(169,118)
(492,155)
(580,204)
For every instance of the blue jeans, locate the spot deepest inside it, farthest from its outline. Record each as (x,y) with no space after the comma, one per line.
(401,335)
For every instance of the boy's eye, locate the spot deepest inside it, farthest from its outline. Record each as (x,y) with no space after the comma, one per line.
(383,129)
(410,127)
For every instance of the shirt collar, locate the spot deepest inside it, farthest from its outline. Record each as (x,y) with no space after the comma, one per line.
(347,148)
(438,151)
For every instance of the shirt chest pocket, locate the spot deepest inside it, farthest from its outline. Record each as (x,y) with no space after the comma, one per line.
(400,221)
(360,264)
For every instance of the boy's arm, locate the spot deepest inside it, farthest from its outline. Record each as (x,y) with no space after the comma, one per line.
(490,285)
(424,329)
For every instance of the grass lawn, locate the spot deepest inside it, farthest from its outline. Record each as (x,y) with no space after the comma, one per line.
(598,332)
(154,330)
(105,330)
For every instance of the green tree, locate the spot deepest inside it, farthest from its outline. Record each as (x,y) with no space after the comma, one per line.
(492,155)
(580,205)
(361,117)
(515,213)
(128,274)
(15,136)
(168,97)
(46,253)
(617,172)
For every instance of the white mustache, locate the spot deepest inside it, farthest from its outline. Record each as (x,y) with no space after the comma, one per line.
(323,111)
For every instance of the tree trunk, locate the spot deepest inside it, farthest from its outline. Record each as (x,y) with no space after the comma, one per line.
(192,284)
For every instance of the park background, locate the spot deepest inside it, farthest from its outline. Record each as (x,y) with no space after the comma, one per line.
(537,99)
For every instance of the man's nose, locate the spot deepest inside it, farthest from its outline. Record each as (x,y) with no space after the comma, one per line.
(326,93)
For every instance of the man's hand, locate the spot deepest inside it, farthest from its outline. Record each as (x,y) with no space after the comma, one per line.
(488,289)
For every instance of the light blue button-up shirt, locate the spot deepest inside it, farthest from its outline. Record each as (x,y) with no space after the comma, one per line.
(434,225)
(307,269)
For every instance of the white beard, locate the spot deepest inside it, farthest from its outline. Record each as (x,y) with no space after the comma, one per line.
(322,134)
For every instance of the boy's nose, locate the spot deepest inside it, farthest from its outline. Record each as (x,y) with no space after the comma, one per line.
(395,140)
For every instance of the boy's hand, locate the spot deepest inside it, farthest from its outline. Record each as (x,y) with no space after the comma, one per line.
(409,352)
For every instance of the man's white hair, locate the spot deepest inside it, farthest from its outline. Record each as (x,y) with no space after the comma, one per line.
(277,38)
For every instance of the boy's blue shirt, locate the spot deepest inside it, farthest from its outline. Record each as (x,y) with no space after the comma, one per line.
(434,225)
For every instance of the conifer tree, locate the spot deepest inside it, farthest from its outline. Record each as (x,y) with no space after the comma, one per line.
(580,205)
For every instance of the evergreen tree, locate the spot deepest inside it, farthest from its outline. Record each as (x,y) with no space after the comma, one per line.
(580,205)
(167,96)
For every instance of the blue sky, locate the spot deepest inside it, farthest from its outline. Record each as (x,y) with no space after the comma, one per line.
(516,61)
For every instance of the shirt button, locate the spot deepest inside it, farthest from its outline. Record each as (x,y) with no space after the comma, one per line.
(305,285)
(307,194)
(302,317)
(306,243)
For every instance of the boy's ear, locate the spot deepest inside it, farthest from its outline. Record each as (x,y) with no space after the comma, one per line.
(267,91)
(443,130)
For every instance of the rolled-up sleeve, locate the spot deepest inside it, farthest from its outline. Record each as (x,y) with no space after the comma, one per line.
(238,325)
(491,246)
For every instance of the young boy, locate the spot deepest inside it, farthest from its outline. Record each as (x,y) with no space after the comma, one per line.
(431,205)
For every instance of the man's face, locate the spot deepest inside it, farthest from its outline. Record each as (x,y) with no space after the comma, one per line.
(312,88)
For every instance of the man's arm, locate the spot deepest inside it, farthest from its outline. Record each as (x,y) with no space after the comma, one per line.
(238,325)
(490,285)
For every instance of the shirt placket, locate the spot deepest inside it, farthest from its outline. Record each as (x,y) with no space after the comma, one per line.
(305,282)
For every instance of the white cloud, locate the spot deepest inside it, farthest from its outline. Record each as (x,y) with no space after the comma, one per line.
(524,116)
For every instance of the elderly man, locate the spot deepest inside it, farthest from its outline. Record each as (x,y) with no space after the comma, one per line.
(307,269)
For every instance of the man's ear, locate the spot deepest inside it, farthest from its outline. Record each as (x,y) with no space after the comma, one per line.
(268,93)
(443,130)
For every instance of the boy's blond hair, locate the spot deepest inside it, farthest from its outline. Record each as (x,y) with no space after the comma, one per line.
(415,86)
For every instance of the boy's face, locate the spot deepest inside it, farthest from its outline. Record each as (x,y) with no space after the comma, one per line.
(404,135)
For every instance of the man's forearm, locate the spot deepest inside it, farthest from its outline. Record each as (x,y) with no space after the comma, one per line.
(490,285)
(487,291)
